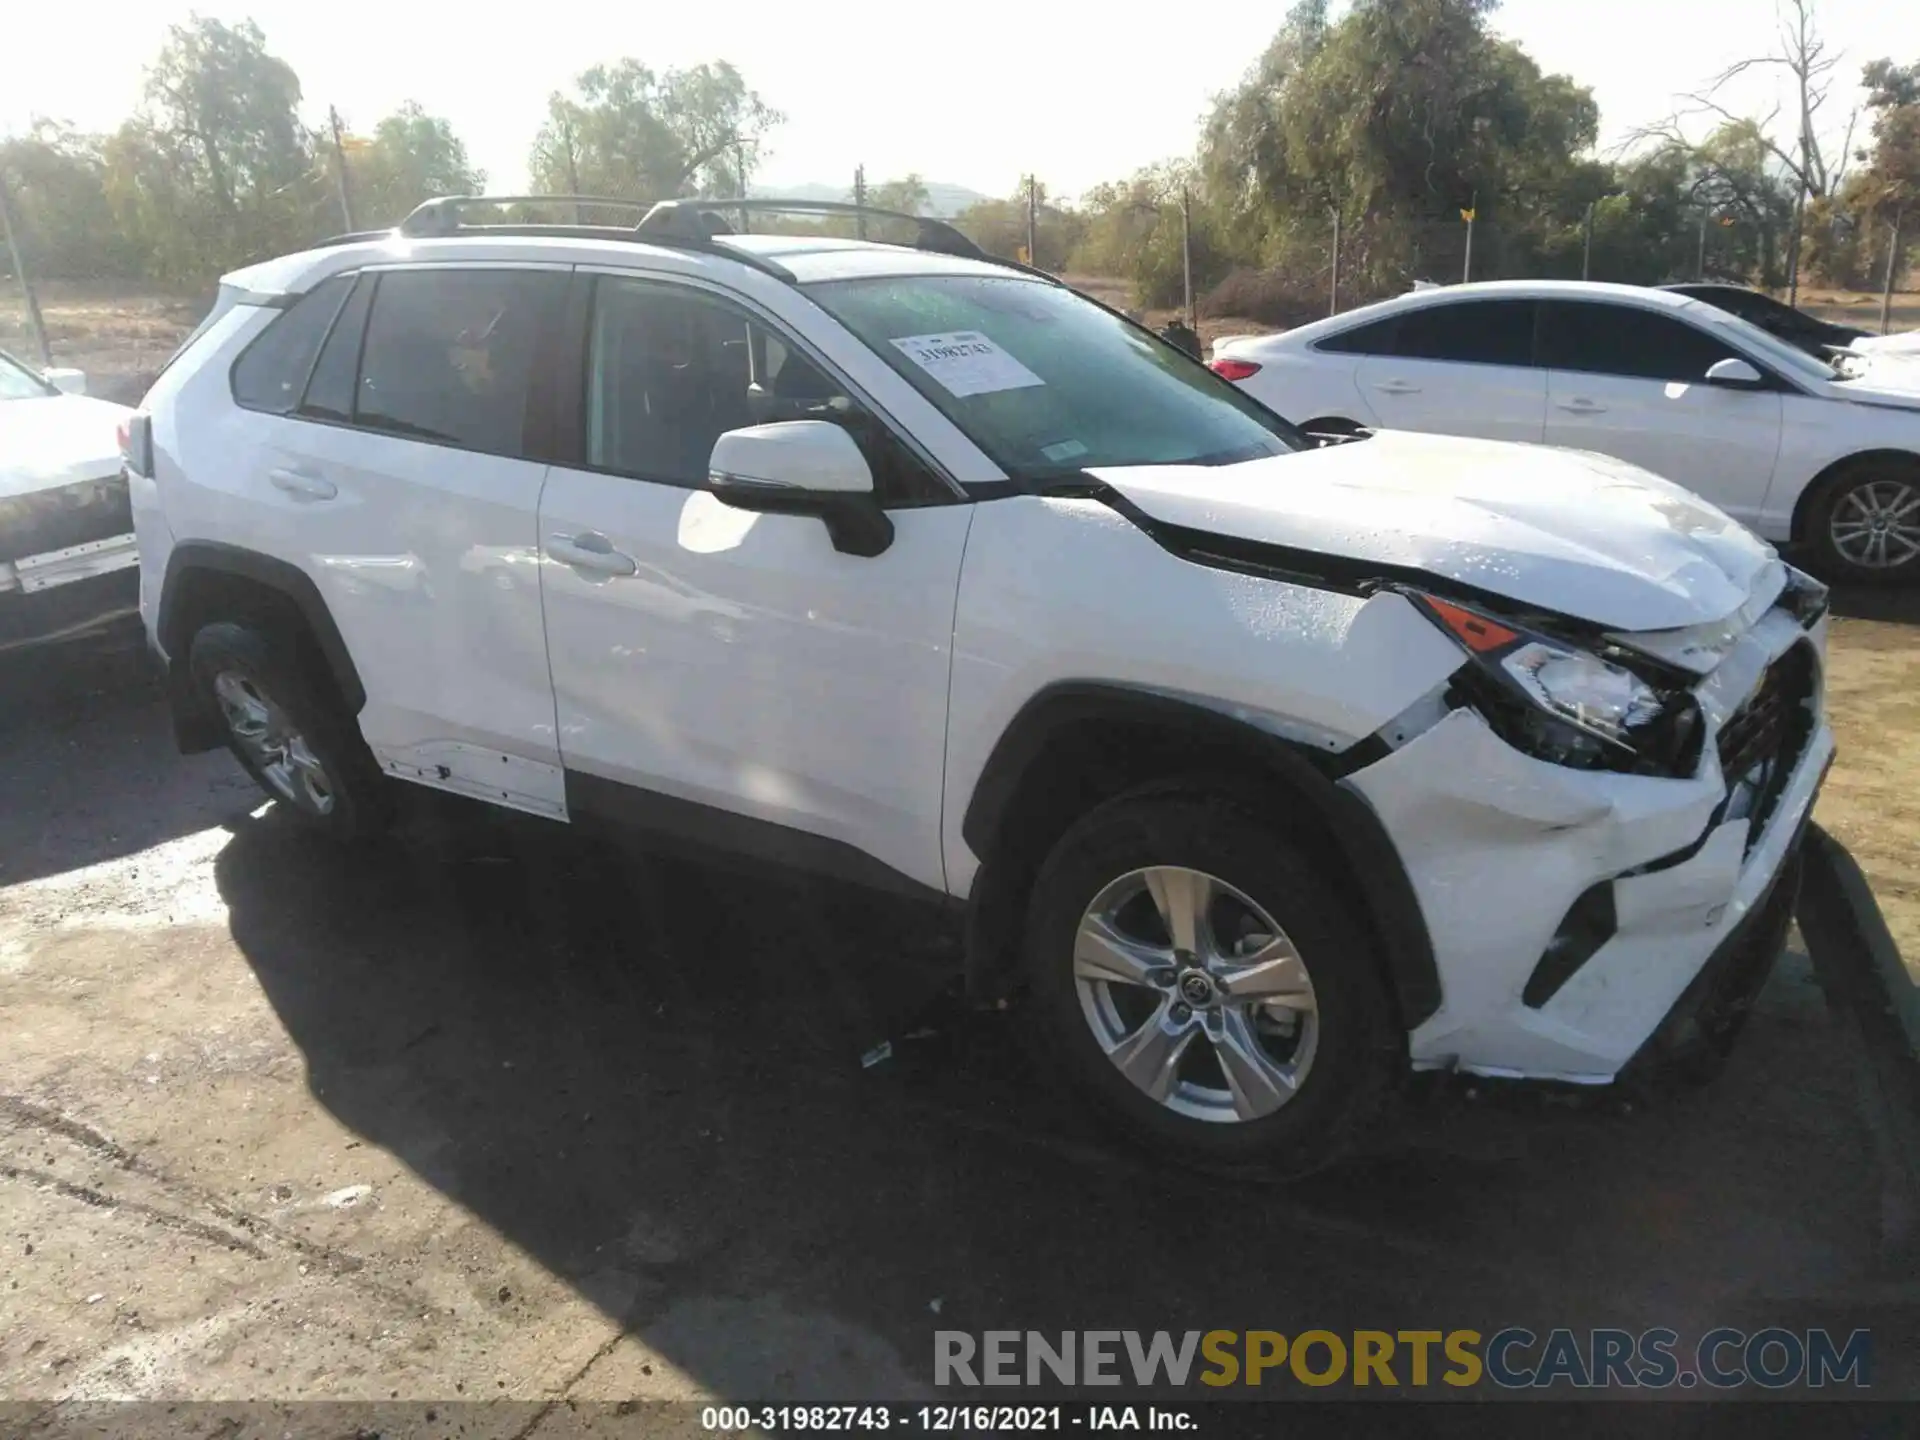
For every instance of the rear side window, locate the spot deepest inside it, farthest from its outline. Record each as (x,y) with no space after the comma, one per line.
(271,374)
(1632,343)
(1474,332)
(1373,339)
(448,355)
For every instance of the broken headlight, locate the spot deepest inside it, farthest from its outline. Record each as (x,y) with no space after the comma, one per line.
(1560,702)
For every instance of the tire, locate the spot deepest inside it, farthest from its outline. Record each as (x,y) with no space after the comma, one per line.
(1345,1053)
(1851,502)
(291,735)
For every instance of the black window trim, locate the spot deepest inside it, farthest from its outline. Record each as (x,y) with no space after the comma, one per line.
(567,441)
(1775,381)
(1450,302)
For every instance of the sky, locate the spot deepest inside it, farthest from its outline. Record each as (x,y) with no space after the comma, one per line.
(976,95)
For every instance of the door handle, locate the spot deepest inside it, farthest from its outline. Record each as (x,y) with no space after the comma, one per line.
(1582,407)
(590,551)
(1397,387)
(299,482)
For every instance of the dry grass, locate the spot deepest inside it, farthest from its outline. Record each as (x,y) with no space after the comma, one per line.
(1854,307)
(119,335)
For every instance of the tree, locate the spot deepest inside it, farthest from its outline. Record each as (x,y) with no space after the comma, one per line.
(629,133)
(1887,192)
(58,179)
(412,156)
(215,168)
(908,195)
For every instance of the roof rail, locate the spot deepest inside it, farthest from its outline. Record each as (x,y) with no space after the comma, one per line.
(688,223)
(441,215)
(670,217)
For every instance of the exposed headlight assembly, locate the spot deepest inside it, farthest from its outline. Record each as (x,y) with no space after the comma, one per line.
(1559,702)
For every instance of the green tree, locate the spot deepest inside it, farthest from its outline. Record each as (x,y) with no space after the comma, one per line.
(411,156)
(58,181)
(908,195)
(630,133)
(215,168)
(1886,194)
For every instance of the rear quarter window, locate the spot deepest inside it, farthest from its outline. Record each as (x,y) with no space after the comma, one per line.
(271,373)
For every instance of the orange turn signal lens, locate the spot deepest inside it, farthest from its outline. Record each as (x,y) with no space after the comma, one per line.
(1476,632)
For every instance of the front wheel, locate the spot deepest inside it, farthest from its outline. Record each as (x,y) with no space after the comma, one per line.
(1205,986)
(1864,525)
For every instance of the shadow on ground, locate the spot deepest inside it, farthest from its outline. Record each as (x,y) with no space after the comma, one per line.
(90,772)
(648,1077)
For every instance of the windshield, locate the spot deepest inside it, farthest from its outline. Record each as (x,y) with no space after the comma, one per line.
(19,383)
(1776,352)
(1047,383)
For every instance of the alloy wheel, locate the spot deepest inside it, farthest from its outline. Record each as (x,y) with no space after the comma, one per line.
(1195,994)
(1876,524)
(267,735)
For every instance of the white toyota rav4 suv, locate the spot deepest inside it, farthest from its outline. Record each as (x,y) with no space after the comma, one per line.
(1268,773)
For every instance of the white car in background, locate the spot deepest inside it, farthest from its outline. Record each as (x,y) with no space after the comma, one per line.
(1801,450)
(68,560)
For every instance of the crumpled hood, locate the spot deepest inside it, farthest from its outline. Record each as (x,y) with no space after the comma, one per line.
(50,442)
(1568,531)
(1886,378)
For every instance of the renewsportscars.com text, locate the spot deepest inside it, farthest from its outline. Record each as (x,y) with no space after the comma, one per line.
(1511,1358)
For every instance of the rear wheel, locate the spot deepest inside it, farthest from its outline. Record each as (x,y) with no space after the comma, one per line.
(1207,988)
(297,742)
(1864,525)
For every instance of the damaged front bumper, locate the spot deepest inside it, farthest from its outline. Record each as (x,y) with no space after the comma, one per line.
(69,560)
(1619,892)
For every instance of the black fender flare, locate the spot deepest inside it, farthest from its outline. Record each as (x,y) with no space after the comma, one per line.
(1370,861)
(284,579)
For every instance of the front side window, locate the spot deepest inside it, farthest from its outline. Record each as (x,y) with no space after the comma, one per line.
(271,373)
(1629,342)
(449,354)
(1046,383)
(672,368)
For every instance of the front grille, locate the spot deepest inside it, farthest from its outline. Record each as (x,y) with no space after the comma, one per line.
(1763,738)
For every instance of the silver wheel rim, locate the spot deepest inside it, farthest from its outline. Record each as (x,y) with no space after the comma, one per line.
(1876,524)
(269,738)
(1196,995)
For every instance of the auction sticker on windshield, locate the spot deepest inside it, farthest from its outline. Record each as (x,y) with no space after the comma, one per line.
(965,362)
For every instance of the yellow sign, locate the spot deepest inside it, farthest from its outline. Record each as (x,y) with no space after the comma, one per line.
(1467,215)
(1022,256)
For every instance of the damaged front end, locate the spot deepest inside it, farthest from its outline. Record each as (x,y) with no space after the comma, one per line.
(1603,828)
(68,559)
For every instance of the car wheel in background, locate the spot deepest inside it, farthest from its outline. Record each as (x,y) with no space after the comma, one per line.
(290,734)
(1864,524)
(1200,980)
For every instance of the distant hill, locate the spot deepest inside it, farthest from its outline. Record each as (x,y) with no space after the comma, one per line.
(943,199)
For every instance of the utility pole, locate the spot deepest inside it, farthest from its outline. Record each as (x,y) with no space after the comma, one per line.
(34,322)
(573,162)
(1470,214)
(1886,290)
(1793,257)
(1186,251)
(860,198)
(1586,245)
(340,175)
(1700,270)
(740,166)
(1333,296)
(1033,255)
